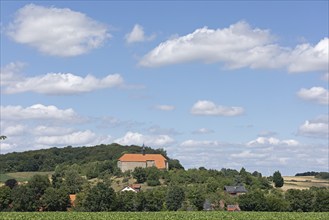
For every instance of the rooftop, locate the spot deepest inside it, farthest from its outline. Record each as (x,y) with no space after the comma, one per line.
(157,158)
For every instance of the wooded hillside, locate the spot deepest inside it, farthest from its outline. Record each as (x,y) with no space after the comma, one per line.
(48,159)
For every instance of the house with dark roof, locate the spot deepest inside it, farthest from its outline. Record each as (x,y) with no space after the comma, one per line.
(131,161)
(235,190)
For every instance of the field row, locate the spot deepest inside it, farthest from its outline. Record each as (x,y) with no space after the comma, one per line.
(164,215)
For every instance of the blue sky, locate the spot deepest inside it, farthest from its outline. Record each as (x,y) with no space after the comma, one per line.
(216,84)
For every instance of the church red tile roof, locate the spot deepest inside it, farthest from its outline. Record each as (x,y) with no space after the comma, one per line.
(160,161)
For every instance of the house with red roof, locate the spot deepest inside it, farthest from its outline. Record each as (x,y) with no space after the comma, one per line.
(131,161)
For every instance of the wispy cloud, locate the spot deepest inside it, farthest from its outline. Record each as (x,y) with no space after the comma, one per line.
(203,131)
(165,107)
(205,107)
(57,31)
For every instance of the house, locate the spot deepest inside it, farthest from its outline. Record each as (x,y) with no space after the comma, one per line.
(136,187)
(72,197)
(128,188)
(233,208)
(133,188)
(131,161)
(235,190)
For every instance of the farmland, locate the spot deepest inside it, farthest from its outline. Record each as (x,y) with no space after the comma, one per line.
(303,182)
(164,215)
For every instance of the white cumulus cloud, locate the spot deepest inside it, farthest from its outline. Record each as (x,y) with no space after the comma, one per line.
(306,57)
(38,112)
(319,95)
(238,46)
(10,73)
(134,138)
(14,130)
(318,128)
(56,31)
(137,35)
(205,107)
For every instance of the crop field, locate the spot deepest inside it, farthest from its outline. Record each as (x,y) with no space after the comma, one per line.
(303,182)
(164,215)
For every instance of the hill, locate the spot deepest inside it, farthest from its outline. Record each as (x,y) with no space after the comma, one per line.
(48,159)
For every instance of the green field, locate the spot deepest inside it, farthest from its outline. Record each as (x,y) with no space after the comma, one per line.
(21,176)
(165,215)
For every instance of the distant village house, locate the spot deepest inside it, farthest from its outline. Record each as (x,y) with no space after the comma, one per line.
(235,190)
(133,188)
(131,161)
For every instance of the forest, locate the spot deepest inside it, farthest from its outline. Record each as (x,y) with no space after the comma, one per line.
(91,174)
(48,159)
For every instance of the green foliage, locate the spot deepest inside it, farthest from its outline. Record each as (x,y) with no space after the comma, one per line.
(300,200)
(73,181)
(154,200)
(139,174)
(276,203)
(165,215)
(55,199)
(175,197)
(175,165)
(253,201)
(100,198)
(321,202)
(278,179)
(48,159)
(153,175)
(323,175)
(11,183)
(5,198)
(196,196)
(24,199)
(126,201)
(38,184)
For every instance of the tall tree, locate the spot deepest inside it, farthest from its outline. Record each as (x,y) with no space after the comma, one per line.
(278,179)
(100,198)
(24,199)
(38,184)
(175,197)
(73,181)
(5,198)
(140,174)
(55,200)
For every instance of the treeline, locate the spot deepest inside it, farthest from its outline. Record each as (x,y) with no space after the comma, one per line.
(48,159)
(193,189)
(319,175)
